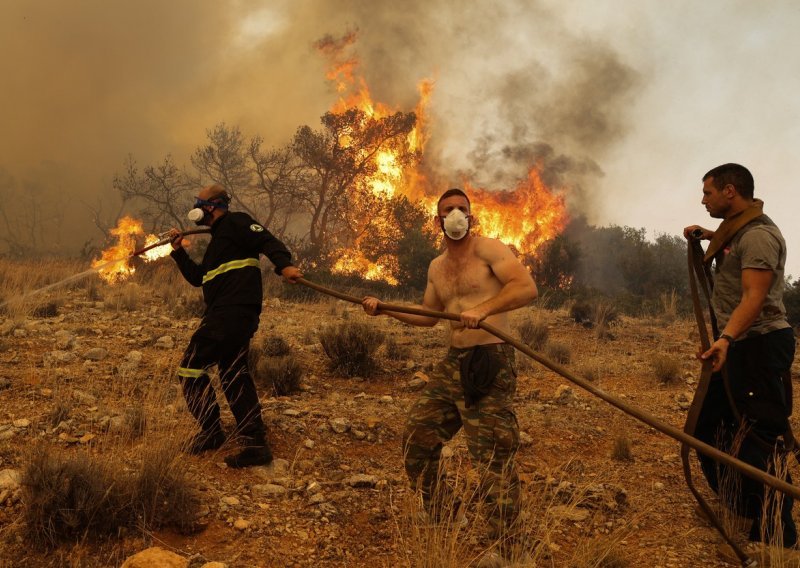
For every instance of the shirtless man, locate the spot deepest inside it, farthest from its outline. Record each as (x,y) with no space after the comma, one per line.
(480,279)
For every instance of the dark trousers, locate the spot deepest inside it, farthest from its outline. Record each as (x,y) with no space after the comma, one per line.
(223,339)
(754,367)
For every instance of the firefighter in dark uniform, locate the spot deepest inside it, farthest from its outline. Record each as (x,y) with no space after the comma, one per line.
(231,279)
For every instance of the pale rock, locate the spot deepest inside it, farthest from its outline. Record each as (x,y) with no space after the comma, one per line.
(269,490)
(317,498)
(7,327)
(7,435)
(339,425)
(230,500)
(165,342)
(20,332)
(64,339)
(658,485)
(4,495)
(362,480)
(575,514)
(21,423)
(10,479)
(309,444)
(313,488)
(214,565)
(155,557)
(96,354)
(241,525)
(525,439)
(57,357)
(359,435)
(84,397)
(292,412)
(564,394)
(385,399)
(132,361)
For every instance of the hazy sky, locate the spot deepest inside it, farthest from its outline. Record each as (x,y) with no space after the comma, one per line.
(628,102)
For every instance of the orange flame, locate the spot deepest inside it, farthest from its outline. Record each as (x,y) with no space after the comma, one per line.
(524,217)
(114,263)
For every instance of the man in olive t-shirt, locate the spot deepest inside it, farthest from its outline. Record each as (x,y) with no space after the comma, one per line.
(755,348)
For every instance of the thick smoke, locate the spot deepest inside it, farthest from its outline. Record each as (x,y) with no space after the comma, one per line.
(87,83)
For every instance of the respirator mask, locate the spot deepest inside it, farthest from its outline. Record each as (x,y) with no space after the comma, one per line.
(200,216)
(455,224)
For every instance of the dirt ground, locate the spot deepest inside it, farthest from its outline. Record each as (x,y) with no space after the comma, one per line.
(341,498)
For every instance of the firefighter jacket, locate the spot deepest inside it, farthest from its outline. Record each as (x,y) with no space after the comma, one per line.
(229,272)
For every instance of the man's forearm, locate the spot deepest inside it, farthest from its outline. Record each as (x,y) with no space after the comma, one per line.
(511,296)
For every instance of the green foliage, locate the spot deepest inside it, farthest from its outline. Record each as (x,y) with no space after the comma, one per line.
(791,299)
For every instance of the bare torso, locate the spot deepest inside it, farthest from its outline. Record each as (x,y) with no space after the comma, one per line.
(462,281)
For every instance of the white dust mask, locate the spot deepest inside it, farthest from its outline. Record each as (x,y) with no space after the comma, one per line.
(456,224)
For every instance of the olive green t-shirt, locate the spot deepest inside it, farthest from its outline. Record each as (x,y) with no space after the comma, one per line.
(759,244)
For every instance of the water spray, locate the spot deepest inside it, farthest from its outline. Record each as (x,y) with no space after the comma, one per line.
(164,239)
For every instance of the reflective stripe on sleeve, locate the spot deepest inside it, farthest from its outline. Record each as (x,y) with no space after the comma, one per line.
(191,373)
(232,265)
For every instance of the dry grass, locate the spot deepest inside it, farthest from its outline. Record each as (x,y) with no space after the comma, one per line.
(669,306)
(667,369)
(622,450)
(559,352)
(351,347)
(533,332)
(282,375)
(396,351)
(459,538)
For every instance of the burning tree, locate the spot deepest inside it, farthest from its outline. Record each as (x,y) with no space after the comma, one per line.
(340,163)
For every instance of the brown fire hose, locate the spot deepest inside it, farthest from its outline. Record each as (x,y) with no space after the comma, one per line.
(167,240)
(629,409)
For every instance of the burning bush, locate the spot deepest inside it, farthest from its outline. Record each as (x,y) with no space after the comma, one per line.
(351,347)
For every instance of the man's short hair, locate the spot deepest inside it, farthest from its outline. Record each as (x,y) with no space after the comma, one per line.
(450,193)
(218,194)
(736,175)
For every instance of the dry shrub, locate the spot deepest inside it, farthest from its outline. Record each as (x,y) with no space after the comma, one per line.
(581,312)
(274,346)
(45,310)
(669,305)
(559,352)
(136,420)
(62,407)
(127,297)
(667,369)
(533,332)
(70,497)
(282,374)
(351,347)
(622,450)
(74,496)
(396,351)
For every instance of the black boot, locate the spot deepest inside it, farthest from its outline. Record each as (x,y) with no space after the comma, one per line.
(250,455)
(206,441)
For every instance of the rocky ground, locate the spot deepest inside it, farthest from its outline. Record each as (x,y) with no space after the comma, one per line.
(96,378)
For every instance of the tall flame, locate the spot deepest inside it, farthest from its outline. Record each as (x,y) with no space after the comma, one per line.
(524,217)
(114,263)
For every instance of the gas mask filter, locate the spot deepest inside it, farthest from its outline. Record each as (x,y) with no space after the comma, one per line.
(200,216)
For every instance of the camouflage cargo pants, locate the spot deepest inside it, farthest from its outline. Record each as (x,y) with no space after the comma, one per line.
(490,427)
